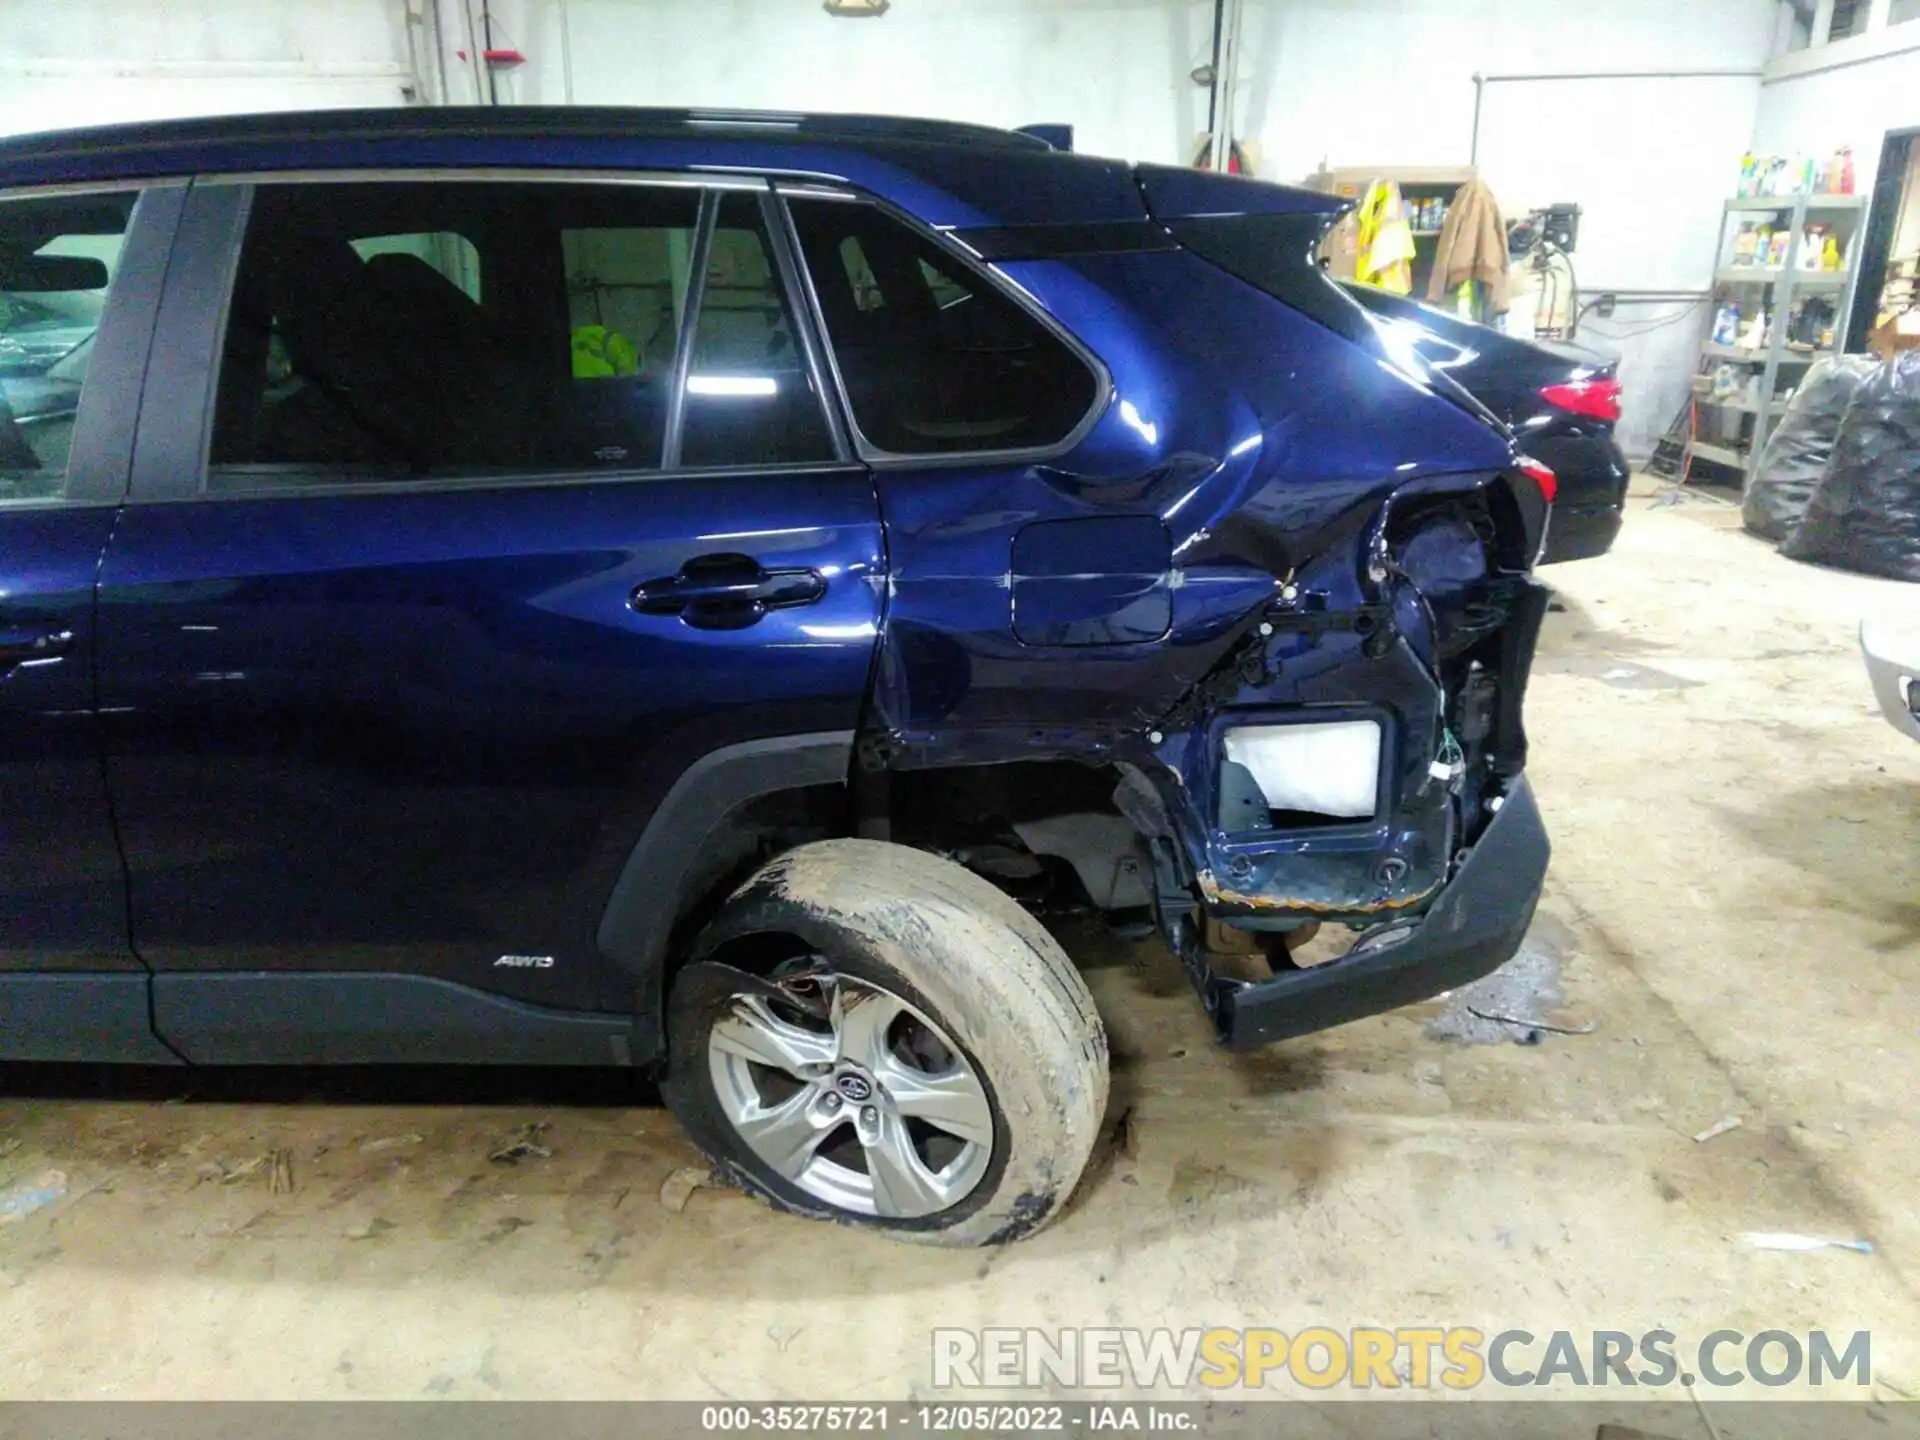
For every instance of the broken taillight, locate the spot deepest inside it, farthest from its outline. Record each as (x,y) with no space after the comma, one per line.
(1597,397)
(1542,476)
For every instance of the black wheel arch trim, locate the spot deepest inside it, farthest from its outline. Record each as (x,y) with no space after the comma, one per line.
(648,900)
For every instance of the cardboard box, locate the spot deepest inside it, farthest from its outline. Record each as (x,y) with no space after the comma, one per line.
(1902,332)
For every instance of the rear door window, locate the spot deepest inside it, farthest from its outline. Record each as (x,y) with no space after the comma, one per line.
(405,331)
(58,255)
(936,360)
(750,398)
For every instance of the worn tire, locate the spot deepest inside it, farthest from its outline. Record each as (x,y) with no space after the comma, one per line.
(968,957)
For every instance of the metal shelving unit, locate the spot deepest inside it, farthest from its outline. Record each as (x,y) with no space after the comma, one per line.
(1775,288)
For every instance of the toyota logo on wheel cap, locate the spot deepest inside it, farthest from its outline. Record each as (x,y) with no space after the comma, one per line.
(856,1088)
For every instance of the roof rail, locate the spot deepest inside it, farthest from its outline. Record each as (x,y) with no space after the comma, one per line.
(1060,137)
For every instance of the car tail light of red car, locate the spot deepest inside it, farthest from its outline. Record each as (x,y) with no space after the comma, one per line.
(1542,476)
(1597,397)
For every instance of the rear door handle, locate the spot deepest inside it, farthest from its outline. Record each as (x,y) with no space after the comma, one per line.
(18,643)
(728,592)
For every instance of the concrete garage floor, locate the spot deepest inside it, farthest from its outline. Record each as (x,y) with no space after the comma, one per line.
(1736,888)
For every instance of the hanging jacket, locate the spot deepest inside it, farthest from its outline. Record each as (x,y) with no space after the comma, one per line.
(1385,246)
(1472,246)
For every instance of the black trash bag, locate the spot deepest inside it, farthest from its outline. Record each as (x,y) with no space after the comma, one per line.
(1796,454)
(1865,513)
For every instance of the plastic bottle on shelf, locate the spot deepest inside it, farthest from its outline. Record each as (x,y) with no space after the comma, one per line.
(1726,324)
(1745,189)
(1812,246)
(1830,257)
(1744,244)
(1777,244)
(1846,170)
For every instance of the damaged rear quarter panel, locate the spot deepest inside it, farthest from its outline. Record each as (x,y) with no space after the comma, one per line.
(1265,445)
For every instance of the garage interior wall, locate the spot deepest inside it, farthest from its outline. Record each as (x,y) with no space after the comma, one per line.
(97,62)
(1347,82)
(1852,104)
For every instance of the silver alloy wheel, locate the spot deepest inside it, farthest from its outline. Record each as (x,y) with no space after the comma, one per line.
(854,1096)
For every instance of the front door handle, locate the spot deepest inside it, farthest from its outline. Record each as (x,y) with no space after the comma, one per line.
(728,592)
(32,643)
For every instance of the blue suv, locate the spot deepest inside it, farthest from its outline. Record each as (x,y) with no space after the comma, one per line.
(681,590)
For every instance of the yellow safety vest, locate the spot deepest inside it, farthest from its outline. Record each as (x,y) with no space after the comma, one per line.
(599,352)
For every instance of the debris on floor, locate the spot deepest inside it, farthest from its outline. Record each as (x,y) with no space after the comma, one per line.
(1197,1183)
(276,1164)
(390,1142)
(232,1172)
(1623,674)
(678,1187)
(525,1144)
(1719,1127)
(36,1194)
(1518,1002)
(1526,1022)
(369,1229)
(1786,1240)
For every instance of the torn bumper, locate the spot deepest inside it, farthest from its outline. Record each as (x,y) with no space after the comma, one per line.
(1473,927)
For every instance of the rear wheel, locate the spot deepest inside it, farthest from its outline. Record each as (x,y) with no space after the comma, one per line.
(872,1034)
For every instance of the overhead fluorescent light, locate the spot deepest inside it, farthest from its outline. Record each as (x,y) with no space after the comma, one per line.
(738,385)
(856,9)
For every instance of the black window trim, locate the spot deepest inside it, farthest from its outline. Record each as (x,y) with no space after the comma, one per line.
(160,477)
(882,459)
(100,460)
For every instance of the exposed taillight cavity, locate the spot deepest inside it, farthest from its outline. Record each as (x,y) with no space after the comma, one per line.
(1597,397)
(1541,475)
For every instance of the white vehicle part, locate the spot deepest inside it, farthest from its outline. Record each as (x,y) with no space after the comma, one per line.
(1892,648)
(1321,769)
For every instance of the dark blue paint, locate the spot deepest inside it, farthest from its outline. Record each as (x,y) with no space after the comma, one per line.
(1099,581)
(62,906)
(416,730)
(419,731)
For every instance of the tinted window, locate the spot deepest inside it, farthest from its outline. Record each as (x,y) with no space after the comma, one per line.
(392,331)
(750,399)
(452,255)
(57,258)
(935,359)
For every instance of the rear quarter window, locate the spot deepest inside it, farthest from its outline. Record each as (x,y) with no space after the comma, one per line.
(936,360)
